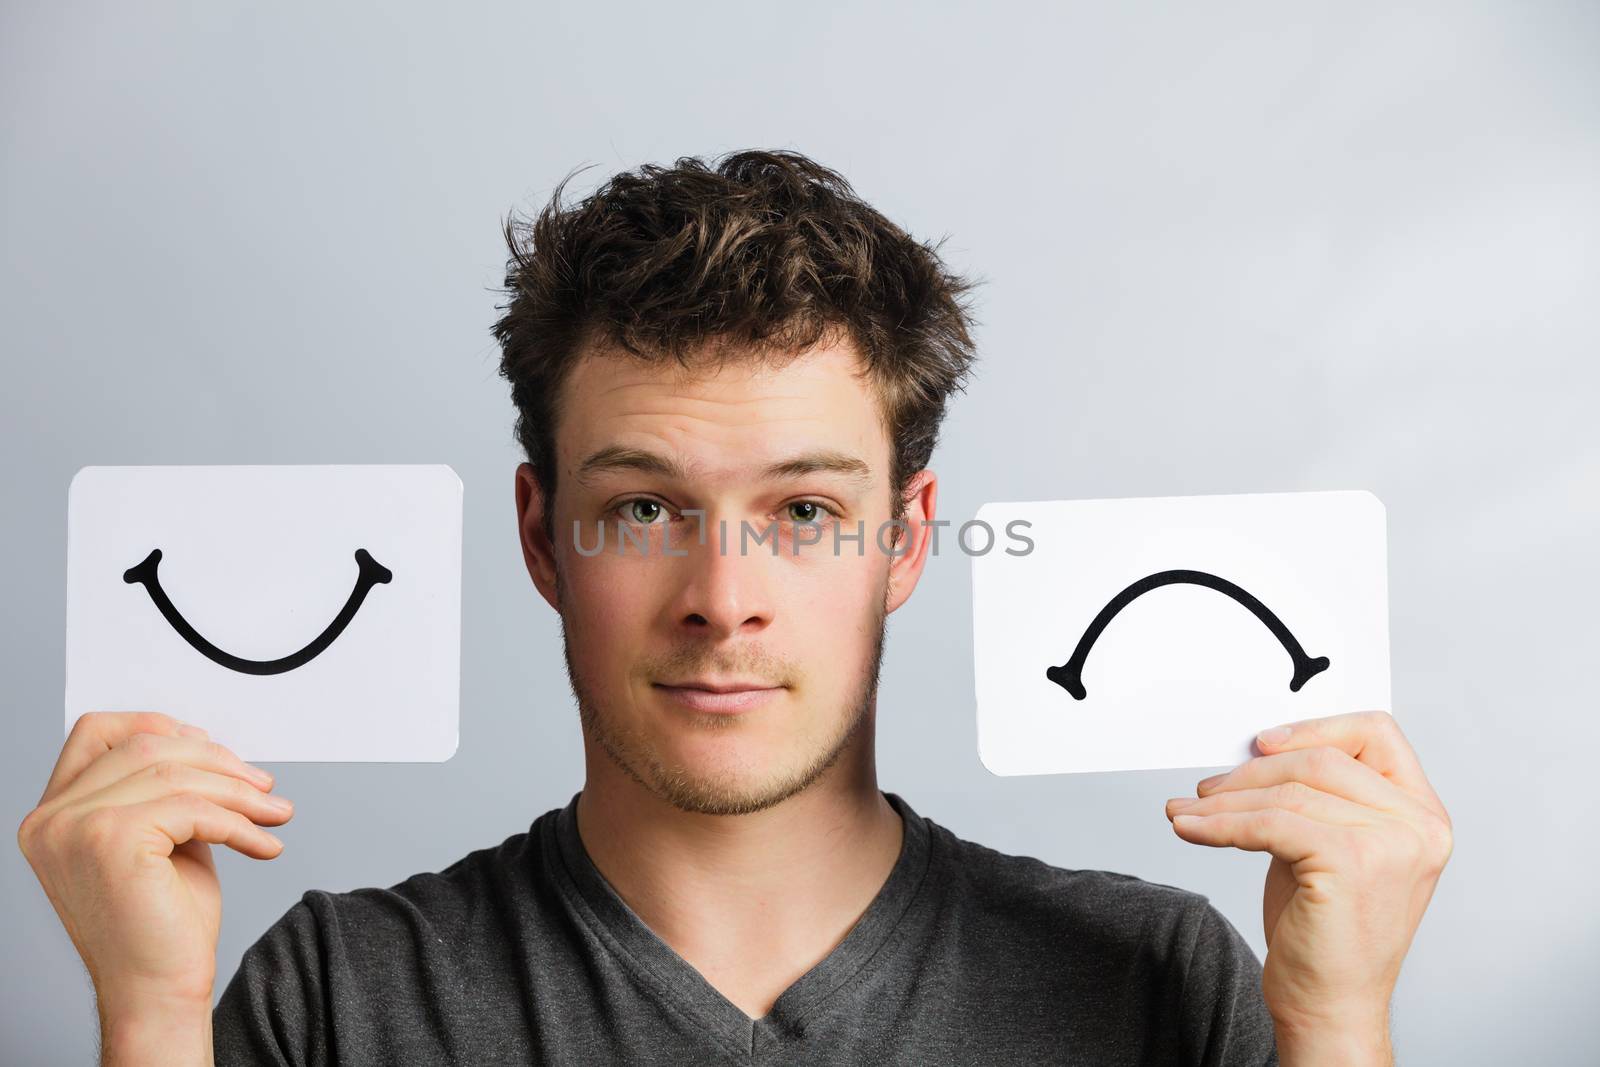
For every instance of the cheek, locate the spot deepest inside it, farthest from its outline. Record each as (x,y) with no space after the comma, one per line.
(836,618)
(603,607)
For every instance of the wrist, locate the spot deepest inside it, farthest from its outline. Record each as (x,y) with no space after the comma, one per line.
(137,1029)
(1358,1037)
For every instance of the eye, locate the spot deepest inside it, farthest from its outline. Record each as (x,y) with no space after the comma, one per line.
(809,511)
(642,510)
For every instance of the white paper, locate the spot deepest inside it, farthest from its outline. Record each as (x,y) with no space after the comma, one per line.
(259,561)
(1183,675)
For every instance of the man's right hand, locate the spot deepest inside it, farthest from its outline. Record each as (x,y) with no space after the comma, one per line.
(121,841)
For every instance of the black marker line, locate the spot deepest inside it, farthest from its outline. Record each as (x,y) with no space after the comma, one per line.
(1070,674)
(372,573)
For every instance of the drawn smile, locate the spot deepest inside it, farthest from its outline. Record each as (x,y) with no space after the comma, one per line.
(371,573)
(1070,674)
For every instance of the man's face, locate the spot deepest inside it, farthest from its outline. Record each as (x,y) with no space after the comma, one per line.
(638,448)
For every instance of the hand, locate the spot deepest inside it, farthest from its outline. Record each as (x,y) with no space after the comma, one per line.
(1358,840)
(119,840)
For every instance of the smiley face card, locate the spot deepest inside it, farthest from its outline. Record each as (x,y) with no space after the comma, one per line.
(296,613)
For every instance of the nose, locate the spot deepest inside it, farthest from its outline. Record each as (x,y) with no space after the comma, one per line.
(724,594)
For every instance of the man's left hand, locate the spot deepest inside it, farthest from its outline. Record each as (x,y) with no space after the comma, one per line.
(1358,840)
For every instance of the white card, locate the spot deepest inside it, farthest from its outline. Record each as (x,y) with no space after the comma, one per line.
(1153,632)
(294,612)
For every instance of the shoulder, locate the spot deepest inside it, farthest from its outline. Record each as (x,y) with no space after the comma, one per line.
(1161,965)
(373,959)
(370,932)
(1095,913)
(436,902)
(1022,881)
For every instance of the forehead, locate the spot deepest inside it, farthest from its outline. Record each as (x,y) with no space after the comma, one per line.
(723,421)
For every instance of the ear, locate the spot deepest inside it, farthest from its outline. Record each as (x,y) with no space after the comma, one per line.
(537,551)
(921,496)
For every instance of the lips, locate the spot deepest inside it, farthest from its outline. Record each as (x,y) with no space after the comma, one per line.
(723,685)
(722,697)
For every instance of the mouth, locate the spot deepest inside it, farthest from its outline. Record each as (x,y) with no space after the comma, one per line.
(722,697)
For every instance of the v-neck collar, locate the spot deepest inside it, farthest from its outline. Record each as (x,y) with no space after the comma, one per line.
(685,989)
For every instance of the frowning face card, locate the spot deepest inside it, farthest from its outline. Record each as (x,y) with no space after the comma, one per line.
(294,612)
(1165,631)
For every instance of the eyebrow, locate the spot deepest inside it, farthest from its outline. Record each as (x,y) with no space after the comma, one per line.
(619,457)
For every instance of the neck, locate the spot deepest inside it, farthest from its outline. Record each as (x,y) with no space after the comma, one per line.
(784,884)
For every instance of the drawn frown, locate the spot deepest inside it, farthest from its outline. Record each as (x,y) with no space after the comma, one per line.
(1070,674)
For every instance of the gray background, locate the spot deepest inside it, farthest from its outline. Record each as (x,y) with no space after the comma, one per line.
(1228,249)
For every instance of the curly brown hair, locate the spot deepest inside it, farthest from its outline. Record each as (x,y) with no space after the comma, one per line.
(758,254)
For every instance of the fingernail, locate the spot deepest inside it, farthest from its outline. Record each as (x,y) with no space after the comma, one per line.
(264,777)
(1275,736)
(1179,803)
(1207,783)
(279,803)
(191,731)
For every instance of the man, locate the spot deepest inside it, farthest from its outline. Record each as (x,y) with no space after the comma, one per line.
(706,357)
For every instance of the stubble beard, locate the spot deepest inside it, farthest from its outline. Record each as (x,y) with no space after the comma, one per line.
(691,792)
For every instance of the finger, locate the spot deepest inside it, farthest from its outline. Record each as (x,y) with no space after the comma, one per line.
(95,734)
(1290,796)
(140,750)
(175,820)
(168,778)
(1288,835)
(1324,768)
(1371,737)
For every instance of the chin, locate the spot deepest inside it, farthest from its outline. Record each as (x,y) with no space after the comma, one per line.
(725,774)
(721,761)
(725,794)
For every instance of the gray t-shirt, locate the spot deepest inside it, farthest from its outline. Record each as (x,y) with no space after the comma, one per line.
(525,954)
